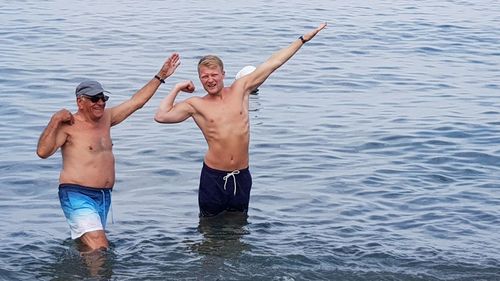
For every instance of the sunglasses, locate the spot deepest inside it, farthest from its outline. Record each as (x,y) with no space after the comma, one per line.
(95,99)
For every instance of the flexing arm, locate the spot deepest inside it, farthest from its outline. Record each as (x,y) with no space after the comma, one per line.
(52,137)
(256,78)
(170,113)
(139,99)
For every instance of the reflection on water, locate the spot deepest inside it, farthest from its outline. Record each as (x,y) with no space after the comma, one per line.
(374,150)
(222,241)
(69,263)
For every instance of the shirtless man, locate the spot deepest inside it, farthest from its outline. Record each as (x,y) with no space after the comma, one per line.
(88,173)
(222,116)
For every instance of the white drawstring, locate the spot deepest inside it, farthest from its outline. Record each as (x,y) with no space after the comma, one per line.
(235,172)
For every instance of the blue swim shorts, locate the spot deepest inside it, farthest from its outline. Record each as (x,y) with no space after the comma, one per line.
(223,191)
(85,208)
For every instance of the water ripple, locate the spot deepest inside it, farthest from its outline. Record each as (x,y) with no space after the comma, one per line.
(373,150)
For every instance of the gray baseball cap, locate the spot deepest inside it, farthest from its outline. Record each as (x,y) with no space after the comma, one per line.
(89,88)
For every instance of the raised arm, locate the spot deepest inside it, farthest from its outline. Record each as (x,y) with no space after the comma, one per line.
(52,136)
(256,78)
(170,113)
(139,99)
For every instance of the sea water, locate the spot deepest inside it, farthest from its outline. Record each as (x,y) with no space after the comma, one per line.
(374,151)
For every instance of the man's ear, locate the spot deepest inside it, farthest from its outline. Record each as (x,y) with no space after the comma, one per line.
(79,102)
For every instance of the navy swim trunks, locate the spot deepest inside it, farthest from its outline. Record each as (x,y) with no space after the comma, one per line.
(85,208)
(223,191)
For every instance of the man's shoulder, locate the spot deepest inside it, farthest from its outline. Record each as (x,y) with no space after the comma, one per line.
(195,103)
(194,100)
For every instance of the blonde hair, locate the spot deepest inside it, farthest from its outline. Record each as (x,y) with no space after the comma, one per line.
(211,61)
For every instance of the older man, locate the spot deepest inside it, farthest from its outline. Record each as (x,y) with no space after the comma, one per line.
(88,173)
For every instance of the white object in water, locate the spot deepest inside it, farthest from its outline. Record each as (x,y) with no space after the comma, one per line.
(245,71)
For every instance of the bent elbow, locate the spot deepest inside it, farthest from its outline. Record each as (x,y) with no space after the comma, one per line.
(164,118)
(158,118)
(42,154)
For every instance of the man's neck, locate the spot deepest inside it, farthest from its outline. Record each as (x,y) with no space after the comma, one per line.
(82,116)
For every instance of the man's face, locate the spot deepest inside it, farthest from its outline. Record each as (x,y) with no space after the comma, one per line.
(93,105)
(212,79)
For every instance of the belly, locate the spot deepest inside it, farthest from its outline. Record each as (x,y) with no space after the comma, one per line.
(228,155)
(96,171)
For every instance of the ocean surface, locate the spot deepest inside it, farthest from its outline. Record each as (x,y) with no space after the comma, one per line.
(375,151)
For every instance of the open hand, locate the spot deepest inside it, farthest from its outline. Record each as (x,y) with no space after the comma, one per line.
(313,33)
(170,66)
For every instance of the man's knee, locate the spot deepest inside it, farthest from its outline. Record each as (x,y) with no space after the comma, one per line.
(95,240)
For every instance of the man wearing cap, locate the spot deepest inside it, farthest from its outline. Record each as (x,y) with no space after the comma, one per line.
(88,173)
(222,116)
